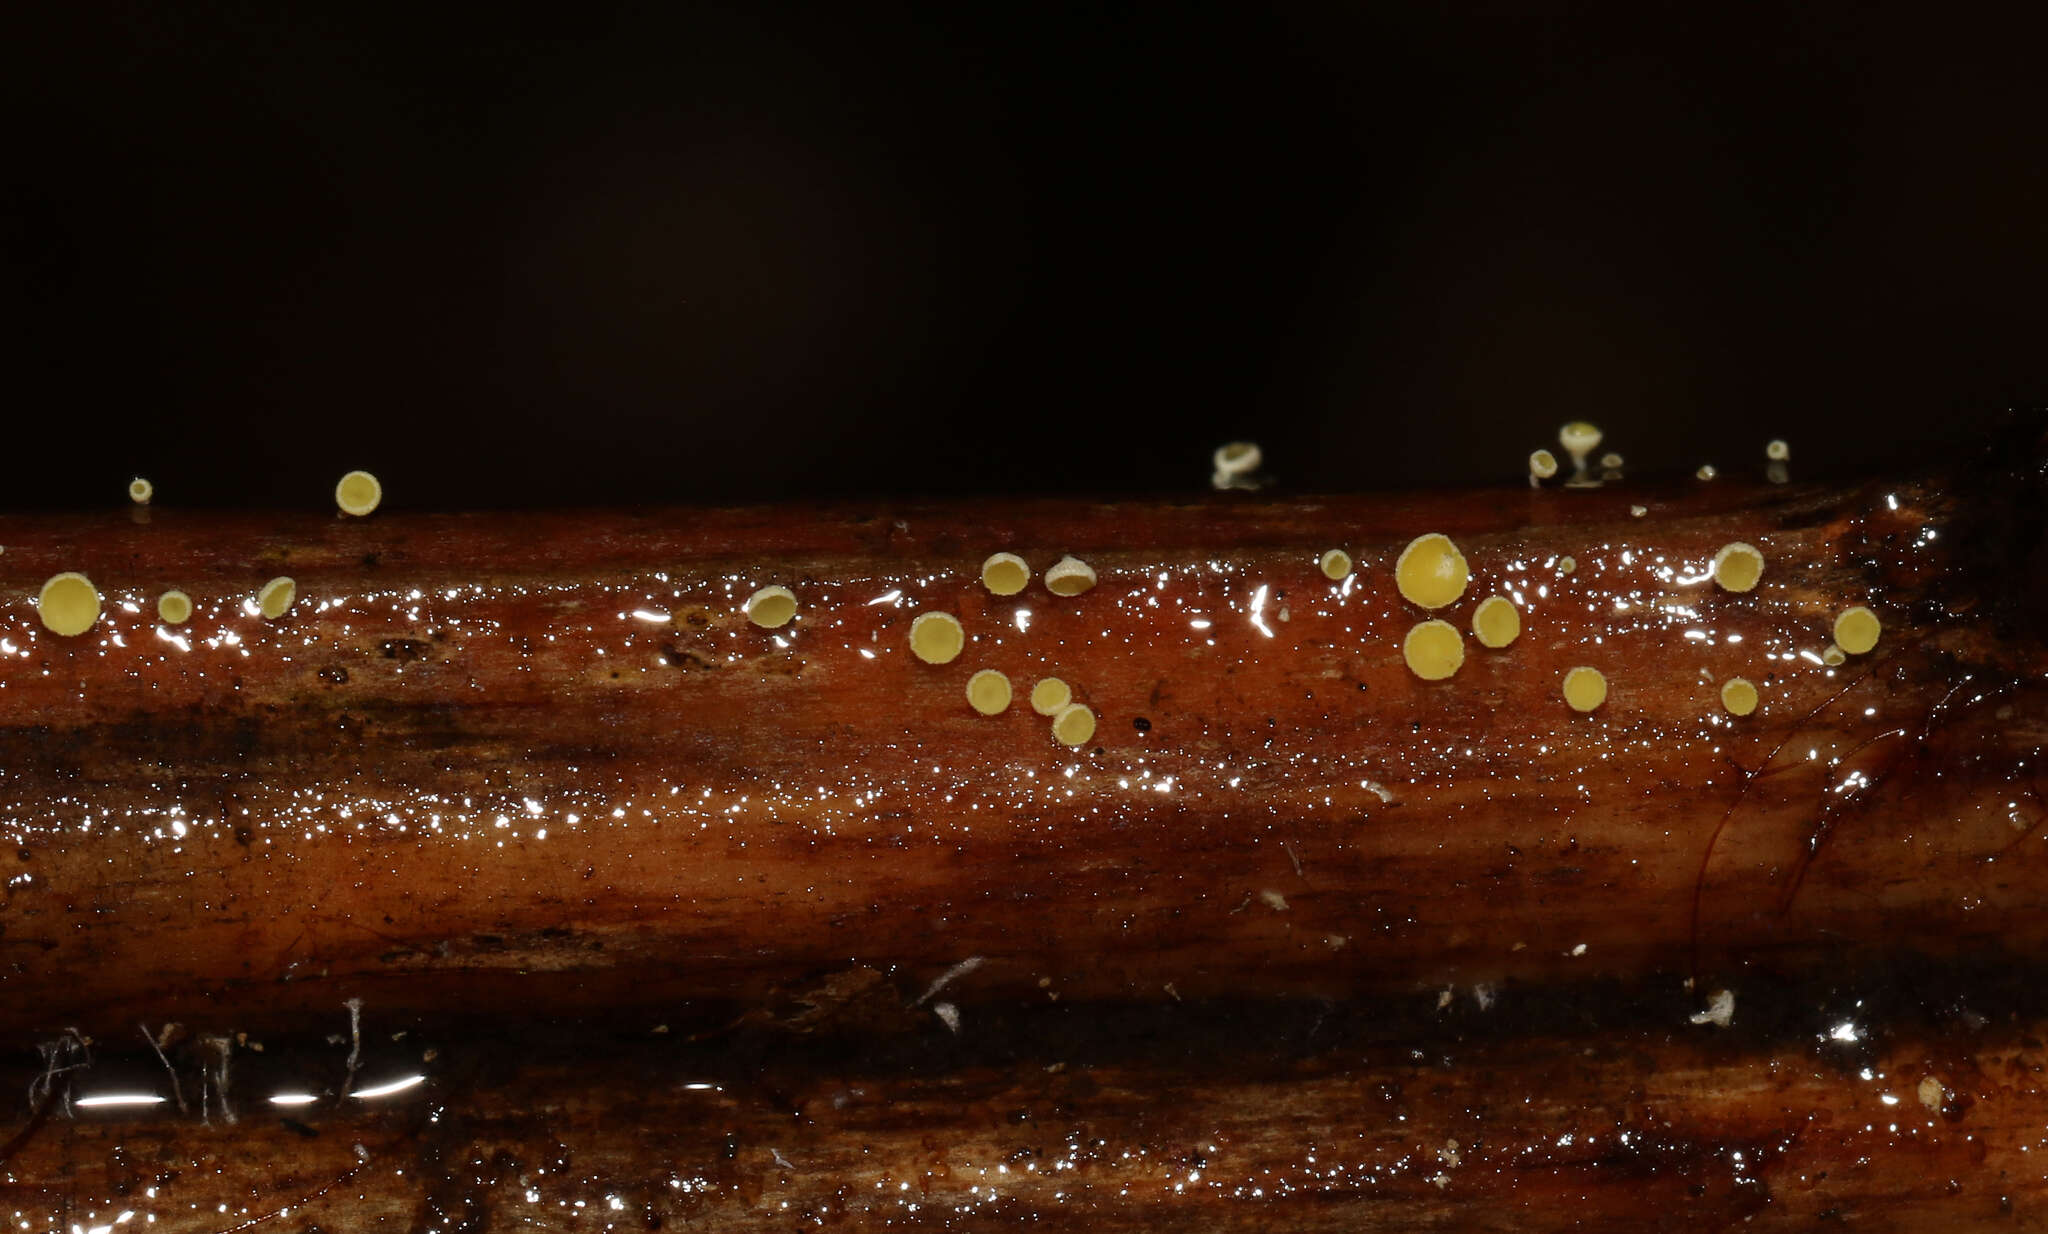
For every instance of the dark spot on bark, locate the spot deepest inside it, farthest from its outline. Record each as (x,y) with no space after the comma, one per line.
(334,675)
(1141,724)
(404,650)
(369,561)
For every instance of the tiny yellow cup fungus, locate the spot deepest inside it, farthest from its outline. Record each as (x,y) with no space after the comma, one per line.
(771,607)
(1706,471)
(1610,460)
(1739,696)
(988,692)
(276,597)
(936,638)
(1856,630)
(1069,576)
(1496,622)
(358,493)
(1579,439)
(1005,574)
(1565,565)
(1049,695)
(1074,724)
(1584,688)
(68,604)
(1542,464)
(1431,572)
(1335,564)
(1738,566)
(140,491)
(174,607)
(1238,458)
(1833,656)
(1778,451)
(1433,650)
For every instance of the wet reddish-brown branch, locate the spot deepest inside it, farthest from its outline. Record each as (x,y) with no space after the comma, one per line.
(491,759)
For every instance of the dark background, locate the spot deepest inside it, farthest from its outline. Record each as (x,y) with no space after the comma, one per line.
(710,254)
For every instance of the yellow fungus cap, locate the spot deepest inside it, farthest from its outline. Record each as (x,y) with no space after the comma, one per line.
(1433,650)
(1431,572)
(988,692)
(1584,688)
(1238,458)
(1778,451)
(1565,565)
(1005,574)
(1074,725)
(1706,471)
(358,493)
(276,597)
(174,607)
(1496,622)
(1833,656)
(1335,564)
(1738,695)
(1069,576)
(1856,630)
(1049,695)
(140,491)
(771,607)
(1738,566)
(1579,438)
(1542,464)
(68,604)
(936,638)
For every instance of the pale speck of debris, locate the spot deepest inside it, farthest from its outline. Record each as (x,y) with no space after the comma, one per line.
(1932,1094)
(1273,900)
(1720,1010)
(948,1014)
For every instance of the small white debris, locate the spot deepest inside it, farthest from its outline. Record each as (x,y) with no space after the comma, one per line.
(1932,1094)
(1706,471)
(1638,511)
(1720,1010)
(1579,950)
(1483,995)
(948,1014)
(948,977)
(1273,900)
